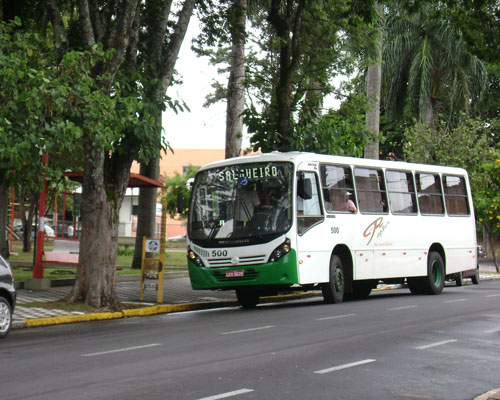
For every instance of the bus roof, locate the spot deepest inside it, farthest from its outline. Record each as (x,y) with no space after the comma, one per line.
(300,157)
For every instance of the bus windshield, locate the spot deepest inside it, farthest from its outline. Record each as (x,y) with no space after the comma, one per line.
(241,204)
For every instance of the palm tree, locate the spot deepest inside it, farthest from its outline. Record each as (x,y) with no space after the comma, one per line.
(427,66)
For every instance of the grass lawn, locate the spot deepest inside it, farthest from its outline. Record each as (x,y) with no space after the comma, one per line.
(176,259)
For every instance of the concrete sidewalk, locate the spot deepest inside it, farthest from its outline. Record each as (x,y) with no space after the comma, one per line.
(177,296)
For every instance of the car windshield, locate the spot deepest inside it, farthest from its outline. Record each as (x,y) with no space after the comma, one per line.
(241,204)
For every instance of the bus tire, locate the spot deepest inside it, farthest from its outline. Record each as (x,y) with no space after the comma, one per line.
(475,277)
(362,289)
(247,298)
(434,281)
(333,291)
(459,278)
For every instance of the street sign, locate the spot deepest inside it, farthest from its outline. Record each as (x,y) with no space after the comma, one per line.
(152,246)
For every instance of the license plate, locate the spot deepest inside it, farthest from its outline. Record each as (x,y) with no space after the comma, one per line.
(235,274)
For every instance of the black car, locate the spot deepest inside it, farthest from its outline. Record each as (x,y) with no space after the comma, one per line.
(7,297)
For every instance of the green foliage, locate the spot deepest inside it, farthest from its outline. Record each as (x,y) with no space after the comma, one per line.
(468,146)
(487,201)
(339,132)
(176,186)
(24,62)
(57,107)
(428,67)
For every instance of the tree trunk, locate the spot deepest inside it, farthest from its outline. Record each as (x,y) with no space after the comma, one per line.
(373,113)
(492,246)
(288,25)
(102,197)
(373,91)
(161,62)
(146,218)
(27,219)
(235,87)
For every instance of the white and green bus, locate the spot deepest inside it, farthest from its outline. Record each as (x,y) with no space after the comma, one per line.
(296,221)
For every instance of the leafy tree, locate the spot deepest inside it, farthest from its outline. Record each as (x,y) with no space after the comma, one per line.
(25,113)
(479,22)
(175,190)
(469,146)
(112,131)
(303,44)
(487,203)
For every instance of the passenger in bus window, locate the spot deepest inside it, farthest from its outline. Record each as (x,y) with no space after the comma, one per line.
(348,203)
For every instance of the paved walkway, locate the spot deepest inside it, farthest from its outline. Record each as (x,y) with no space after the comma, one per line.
(176,290)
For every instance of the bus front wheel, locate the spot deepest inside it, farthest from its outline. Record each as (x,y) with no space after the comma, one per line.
(333,291)
(247,298)
(434,282)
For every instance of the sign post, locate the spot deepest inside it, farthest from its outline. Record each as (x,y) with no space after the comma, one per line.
(153,268)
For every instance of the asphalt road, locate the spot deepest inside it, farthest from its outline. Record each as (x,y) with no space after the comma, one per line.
(393,345)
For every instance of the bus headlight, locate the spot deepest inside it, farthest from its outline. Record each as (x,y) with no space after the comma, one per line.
(280,251)
(195,258)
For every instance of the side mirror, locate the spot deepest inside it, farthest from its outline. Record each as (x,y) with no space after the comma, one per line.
(304,188)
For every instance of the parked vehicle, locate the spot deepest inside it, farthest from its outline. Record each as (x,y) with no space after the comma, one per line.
(181,238)
(481,253)
(7,297)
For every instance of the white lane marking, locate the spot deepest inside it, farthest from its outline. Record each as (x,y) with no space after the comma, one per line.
(492,330)
(335,317)
(339,367)
(248,330)
(121,350)
(454,301)
(427,346)
(228,394)
(493,295)
(400,308)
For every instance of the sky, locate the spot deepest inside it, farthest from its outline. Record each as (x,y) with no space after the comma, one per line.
(201,128)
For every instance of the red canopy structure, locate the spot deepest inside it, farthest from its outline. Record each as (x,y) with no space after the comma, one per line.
(135,180)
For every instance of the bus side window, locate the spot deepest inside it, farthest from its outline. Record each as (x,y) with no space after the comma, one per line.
(455,195)
(309,210)
(336,181)
(370,187)
(430,196)
(401,192)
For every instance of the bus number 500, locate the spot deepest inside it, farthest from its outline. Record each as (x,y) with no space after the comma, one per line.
(219,253)
(335,229)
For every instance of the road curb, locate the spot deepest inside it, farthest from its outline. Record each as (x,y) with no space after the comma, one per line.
(491,395)
(146,311)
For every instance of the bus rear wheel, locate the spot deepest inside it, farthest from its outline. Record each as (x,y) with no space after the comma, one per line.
(333,291)
(247,298)
(475,277)
(434,282)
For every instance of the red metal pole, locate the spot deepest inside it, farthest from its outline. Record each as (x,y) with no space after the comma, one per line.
(12,209)
(55,215)
(63,225)
(38,267)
